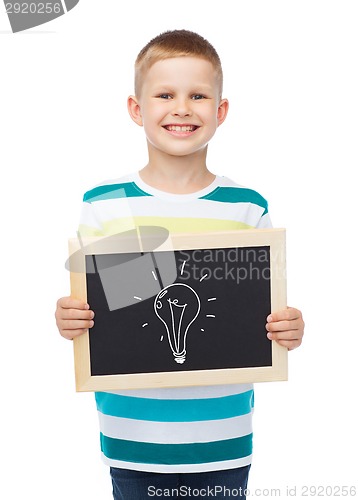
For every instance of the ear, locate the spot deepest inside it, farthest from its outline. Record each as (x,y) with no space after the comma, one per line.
(223,109)
(134,110)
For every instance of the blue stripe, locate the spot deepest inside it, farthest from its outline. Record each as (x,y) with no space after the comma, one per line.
(111,191)
(175,410)
(228,194)
(172,454)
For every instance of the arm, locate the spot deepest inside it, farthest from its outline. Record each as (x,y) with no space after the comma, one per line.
(286,327)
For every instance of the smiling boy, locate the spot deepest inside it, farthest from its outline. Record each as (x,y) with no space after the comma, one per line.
(176,439)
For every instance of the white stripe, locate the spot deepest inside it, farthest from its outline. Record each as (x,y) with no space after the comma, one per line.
(175,432)
(88,217)
(206,467)
(107,210)
(264,222)
(133,176)
(63,5)
(206,209)
(196,392)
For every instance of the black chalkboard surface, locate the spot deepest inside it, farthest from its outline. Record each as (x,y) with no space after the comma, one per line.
(188,314)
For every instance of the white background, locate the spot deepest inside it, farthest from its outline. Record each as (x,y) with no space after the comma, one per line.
(290,71)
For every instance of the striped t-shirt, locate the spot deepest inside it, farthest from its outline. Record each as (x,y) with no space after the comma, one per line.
(185,429)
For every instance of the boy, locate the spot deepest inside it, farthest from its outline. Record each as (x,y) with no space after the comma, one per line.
(153,445)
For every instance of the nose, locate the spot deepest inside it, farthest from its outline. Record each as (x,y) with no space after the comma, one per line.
(181,107)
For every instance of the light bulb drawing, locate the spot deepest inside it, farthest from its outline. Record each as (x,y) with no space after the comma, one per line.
(177,306)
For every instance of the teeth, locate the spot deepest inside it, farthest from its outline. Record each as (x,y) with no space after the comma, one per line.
(178,128)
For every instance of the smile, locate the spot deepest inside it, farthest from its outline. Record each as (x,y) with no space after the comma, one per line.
(181,128)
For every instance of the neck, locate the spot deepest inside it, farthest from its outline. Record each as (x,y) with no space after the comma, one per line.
(177,174)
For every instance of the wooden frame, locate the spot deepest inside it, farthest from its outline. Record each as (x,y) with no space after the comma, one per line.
(241,239)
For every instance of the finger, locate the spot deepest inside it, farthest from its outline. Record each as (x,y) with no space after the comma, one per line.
(67,314)
(76,324)
(285,335)
(288,314)
(72,303)
(282,326)
(71,334)
(290,344)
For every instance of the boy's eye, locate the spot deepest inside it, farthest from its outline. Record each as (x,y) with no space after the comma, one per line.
(195,97)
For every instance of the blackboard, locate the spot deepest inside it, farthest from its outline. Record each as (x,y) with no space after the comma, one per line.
(175,310)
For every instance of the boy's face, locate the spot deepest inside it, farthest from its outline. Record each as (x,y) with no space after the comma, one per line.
(179,105)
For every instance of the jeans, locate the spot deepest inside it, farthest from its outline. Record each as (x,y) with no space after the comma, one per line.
(134,485)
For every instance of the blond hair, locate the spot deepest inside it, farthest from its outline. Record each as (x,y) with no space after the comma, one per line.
(177,43)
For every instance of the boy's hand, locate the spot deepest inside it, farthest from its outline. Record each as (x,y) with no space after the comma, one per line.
(73,317)
(286,327)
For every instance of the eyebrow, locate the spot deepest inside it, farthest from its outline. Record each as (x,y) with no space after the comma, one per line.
(197,88)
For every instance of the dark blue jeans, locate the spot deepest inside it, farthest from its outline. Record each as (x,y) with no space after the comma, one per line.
(133,485)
